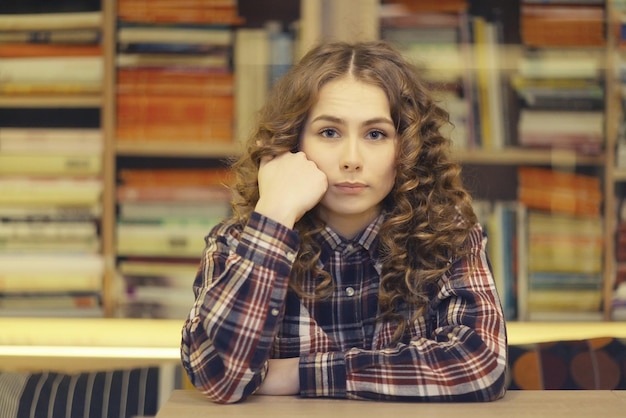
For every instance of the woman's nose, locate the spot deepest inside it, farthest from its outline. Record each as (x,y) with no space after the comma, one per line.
(351,155)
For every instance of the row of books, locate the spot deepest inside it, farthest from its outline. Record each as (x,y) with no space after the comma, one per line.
(547,260)
(174,69)
(163,215)
(51,171)
(565,241)
(560,81)
(551,97)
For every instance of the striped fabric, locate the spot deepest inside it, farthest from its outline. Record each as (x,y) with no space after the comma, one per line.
(106,394)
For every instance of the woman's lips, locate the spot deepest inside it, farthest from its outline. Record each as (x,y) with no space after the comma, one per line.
(350,188)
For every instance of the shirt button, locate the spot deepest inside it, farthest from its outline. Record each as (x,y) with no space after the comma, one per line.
(349,247)
(350,291)
(274,311)
(291,256)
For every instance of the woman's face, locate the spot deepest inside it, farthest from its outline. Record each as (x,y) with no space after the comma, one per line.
(351,137)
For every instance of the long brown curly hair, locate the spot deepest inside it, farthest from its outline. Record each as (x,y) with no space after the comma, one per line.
(429,212)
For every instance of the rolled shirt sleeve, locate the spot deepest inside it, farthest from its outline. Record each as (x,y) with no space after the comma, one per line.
(240,291)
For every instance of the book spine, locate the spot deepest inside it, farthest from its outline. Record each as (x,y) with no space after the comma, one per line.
(50,21)
(79,165)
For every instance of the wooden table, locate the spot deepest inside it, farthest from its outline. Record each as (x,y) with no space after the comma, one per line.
(528,404)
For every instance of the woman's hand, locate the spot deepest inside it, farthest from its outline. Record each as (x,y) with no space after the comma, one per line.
(283,377)
(289,186)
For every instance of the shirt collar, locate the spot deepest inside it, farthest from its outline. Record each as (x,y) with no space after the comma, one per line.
(367,239)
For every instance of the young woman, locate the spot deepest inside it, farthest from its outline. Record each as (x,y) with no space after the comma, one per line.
(353,265)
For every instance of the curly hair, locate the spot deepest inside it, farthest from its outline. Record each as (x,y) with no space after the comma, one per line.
(429,212)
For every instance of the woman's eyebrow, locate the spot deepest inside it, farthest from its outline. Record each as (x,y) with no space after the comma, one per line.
(374,121)
(328,118)
(334,119)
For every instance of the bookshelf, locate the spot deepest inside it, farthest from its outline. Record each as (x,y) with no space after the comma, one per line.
(505,155)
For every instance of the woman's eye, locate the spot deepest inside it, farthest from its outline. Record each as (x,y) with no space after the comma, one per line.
(376,135)
(329,133)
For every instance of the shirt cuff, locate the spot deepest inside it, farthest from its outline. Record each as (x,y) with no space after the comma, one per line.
(323,375)
(265,241)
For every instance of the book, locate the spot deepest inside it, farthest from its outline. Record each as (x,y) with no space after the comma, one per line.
(215,132)
(433,5)
(557,178)
(70,69)
(160,13)
(555,122)
(50,117)
(481,39)
(50,191)
(34,301)
(564,300)
(562,200)
(138,210)
(69,304)
(44,273)
(164,34)
(154,269)
(559,191)
(173,81)
(50,212)
(503,249)
(64,141)
(561,63)
(129,193)
(53,36)
(175,176)
(47,245)
(47,230)
(212,62)
(19,50)
(549,25)
(559,94)
(168,238)
(170,109)
(182,49)
(557,280)
(49,88)
(50,21)
(50,164)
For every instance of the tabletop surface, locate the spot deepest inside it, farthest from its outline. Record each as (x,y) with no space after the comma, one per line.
(547,403)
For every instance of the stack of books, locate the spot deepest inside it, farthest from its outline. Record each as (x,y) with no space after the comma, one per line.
(560,80)
(50,163)
(163,216)
(174,69)
(565,242)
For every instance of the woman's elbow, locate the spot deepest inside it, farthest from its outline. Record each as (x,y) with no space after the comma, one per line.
(495,383)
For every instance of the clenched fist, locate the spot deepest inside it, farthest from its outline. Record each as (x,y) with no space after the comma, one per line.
(289,186)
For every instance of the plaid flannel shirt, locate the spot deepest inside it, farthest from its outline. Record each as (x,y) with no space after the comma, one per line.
(244,314)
